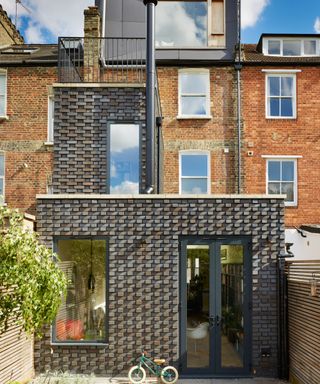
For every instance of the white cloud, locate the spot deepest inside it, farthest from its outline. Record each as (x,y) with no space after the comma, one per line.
(124,137)
(251,11)
(59,17)
(126,187)
(317,25)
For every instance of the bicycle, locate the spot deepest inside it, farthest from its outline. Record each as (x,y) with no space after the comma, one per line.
(137,374)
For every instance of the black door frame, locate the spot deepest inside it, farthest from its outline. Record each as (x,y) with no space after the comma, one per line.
(215,369)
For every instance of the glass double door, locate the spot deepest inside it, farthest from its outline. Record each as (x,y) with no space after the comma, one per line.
(215,307)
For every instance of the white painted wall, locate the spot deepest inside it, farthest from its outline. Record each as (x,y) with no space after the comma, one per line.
(304,248)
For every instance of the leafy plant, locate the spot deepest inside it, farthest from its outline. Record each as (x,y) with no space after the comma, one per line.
(31,284)
(63,378)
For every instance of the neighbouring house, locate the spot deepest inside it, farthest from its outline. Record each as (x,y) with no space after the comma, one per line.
(280,97)
(144,210)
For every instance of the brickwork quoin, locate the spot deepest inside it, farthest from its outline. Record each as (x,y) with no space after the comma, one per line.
(143,237)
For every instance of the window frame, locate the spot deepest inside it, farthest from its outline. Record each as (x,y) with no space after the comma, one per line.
(294,92)
(104,342)
(4,73)
(115,122)
(2,202)
(200,71)
(281,159)
(50,118)
(195,153)
(302,40)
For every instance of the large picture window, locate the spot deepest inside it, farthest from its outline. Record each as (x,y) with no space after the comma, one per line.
(281,96)
(82,314)
(194,93)
(182,24)
(282,179)
(124,161)
(194,173)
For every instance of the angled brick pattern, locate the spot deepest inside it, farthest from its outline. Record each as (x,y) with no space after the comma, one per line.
(143,236)
(81,134)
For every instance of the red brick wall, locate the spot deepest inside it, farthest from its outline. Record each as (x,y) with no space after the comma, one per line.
(195,134)
(284,137)
(23,135)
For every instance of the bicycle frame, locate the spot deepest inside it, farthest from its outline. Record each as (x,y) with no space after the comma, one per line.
(152,367)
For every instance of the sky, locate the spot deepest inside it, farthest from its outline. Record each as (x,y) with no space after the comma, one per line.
(48,19)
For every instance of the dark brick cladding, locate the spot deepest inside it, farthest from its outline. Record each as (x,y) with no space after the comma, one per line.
(80,134)
(143,260)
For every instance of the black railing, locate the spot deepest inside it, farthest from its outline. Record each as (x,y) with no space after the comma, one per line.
(106,60)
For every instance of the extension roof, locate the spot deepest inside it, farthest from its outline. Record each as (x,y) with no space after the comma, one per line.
(29,54)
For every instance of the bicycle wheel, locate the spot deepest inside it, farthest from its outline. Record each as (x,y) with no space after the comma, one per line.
(169,375)
(136,374)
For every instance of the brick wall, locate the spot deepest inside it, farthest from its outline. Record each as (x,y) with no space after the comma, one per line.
(299,136)
(81,127)
(23,135)
(212,135)
(143,249)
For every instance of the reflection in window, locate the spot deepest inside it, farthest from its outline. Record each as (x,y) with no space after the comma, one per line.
(280,96)
(194,93)
(310,47)
(194,171)
(292,48)
(181,24)
(82,314)
(3,94)
(1,178)
(274,47)
(124,159)
(282,179)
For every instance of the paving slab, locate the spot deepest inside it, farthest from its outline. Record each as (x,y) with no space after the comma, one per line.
(259,380)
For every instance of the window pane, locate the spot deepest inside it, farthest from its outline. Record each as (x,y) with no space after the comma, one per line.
(286,86)
(291,48)
(3,84)
(193,105)
(1,165)
(194,186)
(274,107)
(274,86)
(287,188)
(82,314)
(124,158)
(274,188)
(1,190)
(274,170)
(182,24)
(286,107)
(310,47)
(2,105)
(194,82)
(194,165)
(287,170)
(274,47)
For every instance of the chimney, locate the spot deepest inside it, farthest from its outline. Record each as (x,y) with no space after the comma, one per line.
(150,92)
(92,44)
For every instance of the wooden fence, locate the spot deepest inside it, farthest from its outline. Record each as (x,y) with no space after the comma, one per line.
(304,321)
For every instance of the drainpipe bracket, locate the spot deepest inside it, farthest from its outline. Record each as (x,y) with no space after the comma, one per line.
(145,2)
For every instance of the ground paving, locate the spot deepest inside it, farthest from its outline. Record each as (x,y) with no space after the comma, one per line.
(196,381)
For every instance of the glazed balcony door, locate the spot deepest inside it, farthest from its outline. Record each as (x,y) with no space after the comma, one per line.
(215,302)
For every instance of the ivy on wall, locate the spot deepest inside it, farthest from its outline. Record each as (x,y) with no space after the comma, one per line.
(31,284)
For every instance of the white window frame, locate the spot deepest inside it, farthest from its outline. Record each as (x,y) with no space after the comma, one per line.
(294,97)
(280,159)
(206,94)
(5,75)
(301,39)
(50,119)
(2,200)
(195,153)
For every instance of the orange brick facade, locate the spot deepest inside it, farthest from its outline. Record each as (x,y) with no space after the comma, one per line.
(28,161)
(294,137)
(213,135)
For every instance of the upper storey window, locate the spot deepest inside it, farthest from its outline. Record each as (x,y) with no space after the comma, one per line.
(190,24)
(291,47)
(182,24)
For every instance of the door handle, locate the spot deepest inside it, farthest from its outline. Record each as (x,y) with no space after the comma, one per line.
(211,322)
(218,320)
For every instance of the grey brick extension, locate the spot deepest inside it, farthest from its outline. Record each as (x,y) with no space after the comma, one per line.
(81,119)
(143,235)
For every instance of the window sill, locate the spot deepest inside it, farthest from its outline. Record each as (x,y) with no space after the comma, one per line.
(194,117)
(4,117)
(48,143)
(291,205)
(75,344)
(281,117)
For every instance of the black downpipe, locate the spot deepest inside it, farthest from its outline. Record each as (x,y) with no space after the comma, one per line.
(150,92)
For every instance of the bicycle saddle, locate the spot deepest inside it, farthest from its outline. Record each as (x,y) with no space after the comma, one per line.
(159,361)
